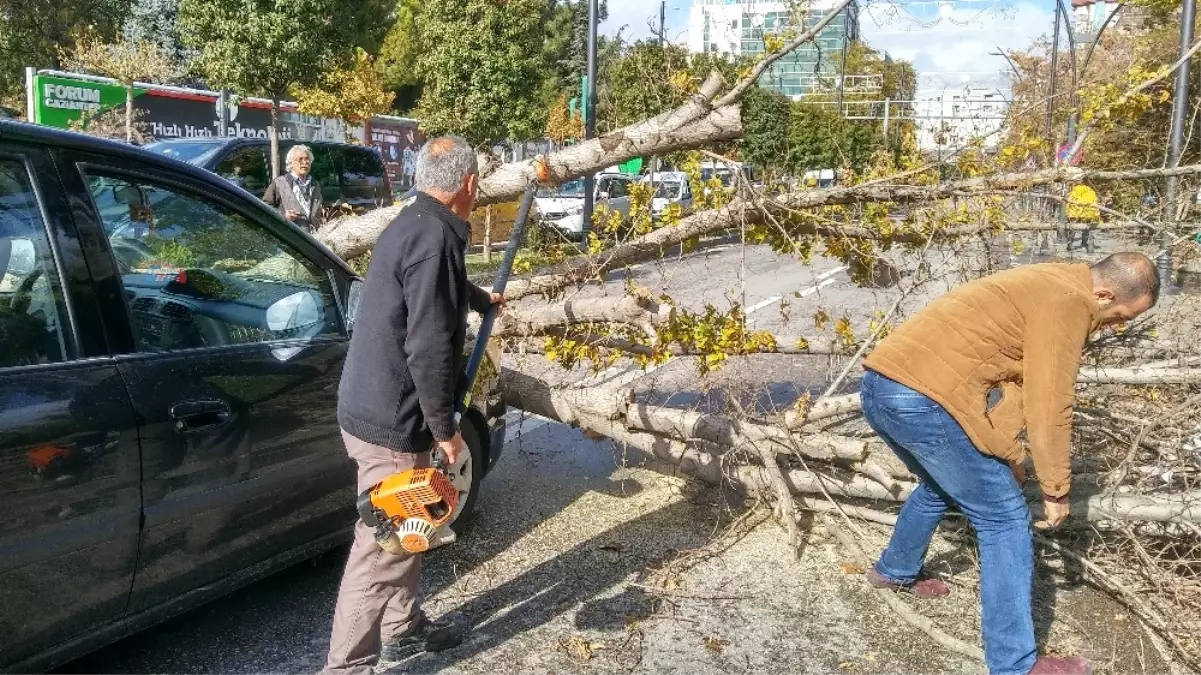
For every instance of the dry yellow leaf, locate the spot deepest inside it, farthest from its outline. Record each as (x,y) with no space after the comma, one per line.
(579,648)
(715,644)
(851,568)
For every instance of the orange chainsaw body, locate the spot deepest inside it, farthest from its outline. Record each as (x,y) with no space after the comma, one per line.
(406,508)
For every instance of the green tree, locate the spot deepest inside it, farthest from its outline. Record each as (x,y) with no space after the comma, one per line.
(154,21)
(483,69)
(645,78)
(566,46)
(766,119)
(267,48)
(35,32)
(126,61)
(354,92)
(397,62)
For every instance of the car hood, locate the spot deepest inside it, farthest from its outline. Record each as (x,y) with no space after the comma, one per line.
(557,204)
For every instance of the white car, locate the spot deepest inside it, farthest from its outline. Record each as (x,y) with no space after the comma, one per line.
(563,207)
(671,187)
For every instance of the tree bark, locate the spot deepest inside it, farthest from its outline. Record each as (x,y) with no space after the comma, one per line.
(351,237)
(701,446)
(488,233)
(626,309)
(129,112)
(275,139)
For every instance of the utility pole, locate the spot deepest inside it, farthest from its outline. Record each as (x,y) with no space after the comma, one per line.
(1180,98)
(662,22)
(1051,93)
(590,115)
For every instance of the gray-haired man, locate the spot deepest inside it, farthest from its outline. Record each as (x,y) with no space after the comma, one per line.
(396,398)
(296,194)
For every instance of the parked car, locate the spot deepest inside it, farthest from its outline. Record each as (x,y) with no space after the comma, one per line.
(170,349)
(671,187)
(563,207)
(348,174)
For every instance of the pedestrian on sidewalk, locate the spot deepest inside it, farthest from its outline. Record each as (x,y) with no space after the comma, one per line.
(297,194)
(396,398)
(1019,333)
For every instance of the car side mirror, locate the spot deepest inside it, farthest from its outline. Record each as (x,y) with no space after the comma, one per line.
(352,303)
(602,195)
(298,310)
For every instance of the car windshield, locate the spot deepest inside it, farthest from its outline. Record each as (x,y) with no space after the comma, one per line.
(668,189)
(573,188)
(724,175)
(191,151)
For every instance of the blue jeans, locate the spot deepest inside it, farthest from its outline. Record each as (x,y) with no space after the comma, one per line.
(951,470)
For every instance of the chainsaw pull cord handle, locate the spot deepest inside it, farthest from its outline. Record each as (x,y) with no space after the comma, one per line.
(498,286)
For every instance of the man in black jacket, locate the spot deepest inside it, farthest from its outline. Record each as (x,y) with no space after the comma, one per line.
(396,398)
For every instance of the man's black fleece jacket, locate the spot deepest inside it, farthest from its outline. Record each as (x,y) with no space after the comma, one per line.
(406,352)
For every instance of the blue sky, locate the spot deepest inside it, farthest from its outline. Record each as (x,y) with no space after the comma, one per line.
(948,52)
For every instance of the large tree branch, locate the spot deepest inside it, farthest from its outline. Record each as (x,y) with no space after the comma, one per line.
(697,444)
(692,125)
(752,212)
(736,93)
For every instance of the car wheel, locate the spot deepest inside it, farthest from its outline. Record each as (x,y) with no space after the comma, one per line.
(466,474)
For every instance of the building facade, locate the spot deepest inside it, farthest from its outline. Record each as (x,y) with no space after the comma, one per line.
(744,27)
(1089,16)
(949,120)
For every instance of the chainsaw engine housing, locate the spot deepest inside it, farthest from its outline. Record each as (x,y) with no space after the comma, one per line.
(407,508)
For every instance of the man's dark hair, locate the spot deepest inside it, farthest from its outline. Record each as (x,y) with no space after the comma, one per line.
(1130,276)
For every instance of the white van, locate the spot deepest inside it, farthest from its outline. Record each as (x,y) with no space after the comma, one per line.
(563,206)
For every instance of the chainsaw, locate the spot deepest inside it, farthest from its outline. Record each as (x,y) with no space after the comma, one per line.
(410,511)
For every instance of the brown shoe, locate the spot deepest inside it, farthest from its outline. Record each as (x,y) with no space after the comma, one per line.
(1069,665)
(922,588)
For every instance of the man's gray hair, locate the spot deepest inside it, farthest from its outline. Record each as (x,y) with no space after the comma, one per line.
(443,164)
(296,151)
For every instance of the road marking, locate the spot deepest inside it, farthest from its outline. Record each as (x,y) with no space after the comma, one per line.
(825,279)
(712,249)
(760,305)
(813,289)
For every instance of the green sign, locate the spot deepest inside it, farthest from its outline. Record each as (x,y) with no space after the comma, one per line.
(58,101)
(632,166)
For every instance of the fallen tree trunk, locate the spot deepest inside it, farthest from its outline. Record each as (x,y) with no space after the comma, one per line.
(795,345)
(702,446)
(626,309)
(692,125)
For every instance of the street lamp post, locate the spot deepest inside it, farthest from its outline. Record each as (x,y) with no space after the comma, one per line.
(1180,96)
(590,116)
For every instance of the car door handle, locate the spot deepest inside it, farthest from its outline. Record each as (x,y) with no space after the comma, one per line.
(196,416)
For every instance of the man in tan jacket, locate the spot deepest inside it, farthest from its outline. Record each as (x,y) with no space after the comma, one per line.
(926,394)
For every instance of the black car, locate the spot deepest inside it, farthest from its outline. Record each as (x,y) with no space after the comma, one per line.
(350,174)
(170,350)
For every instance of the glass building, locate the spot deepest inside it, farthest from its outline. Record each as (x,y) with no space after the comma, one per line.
(743,27)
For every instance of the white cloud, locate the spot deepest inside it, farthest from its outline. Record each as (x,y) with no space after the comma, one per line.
(639,19)
(957,51)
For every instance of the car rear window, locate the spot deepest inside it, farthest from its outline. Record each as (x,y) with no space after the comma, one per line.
(192,152)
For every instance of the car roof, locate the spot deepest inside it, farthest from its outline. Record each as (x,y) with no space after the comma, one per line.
(35,134)
(246,140)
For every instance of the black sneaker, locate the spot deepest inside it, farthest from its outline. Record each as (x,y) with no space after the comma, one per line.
(430,636)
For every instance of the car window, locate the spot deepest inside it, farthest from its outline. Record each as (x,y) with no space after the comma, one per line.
(199,275)
(362,174)
(361,166)
(325,171)
(193,152)
(619,187)
(32,309)
(669,189)
(246,167)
